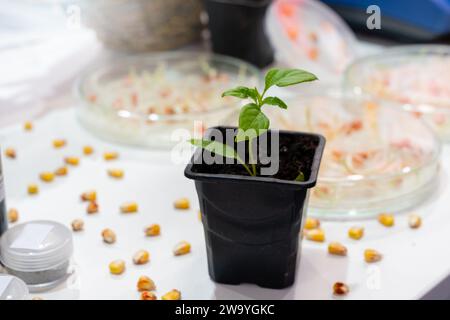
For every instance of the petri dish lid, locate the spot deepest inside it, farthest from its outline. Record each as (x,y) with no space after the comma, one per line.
(12,288)
(379,159)
(37,245)
(309,35)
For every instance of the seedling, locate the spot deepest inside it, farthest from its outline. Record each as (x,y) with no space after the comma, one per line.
(252,120)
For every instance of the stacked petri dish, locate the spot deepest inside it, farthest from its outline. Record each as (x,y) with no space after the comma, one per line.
(376,158)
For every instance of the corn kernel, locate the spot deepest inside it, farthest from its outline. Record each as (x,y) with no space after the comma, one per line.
(311,223)
(414,221)
(172,295)
(33,189)
(116,173)
(47,176)
(181,248)
(145,284)
(88,150)
(89,196)
(130,207)
(315,235)
(117,267)
(28,126)
(340,289)
(37,298)
(182,204)
(10,153)
(77,225)
(337,249)
(108,236)
(153,230)
(59,143)
(141,257)
(62,171)
(386,219)
(108,156)
(356,233)
(200,216)
(146,295)
(92,207)
(371,255)
(73,161)
(13,215)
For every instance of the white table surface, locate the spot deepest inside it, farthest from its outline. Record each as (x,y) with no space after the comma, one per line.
(414,260)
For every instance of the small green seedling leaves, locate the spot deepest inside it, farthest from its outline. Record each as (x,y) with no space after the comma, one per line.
(251,118)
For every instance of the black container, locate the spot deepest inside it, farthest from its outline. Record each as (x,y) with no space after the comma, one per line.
(237,29)
(3,223)
(252,224)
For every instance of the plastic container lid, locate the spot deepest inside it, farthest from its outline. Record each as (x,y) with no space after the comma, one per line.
(12,288)
(36,246)
(309,35)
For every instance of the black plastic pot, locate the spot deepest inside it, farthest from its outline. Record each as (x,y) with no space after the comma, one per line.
(252,224)
(237,29)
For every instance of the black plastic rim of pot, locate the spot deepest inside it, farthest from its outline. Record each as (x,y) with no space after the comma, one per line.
(311,182)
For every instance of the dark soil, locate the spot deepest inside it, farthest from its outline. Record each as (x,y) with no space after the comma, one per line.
(296,155)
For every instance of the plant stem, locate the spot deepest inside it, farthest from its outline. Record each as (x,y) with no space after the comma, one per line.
(250,154)
(245,166)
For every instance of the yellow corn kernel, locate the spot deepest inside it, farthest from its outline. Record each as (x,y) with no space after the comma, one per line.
(371,255)
(28,126)
(315,235)
(92,207)
(13,215)
(117,267)
(145,284)
(141,257)
(73,161)
(182,204)
(337,249)
(130,207)
(77,225)
(33,189)
(108,156)
(200,216)
(62,171)
(181,248)
(116,173)
(172,295)
(311,223)
(88,150)
(47,176)
(108,236)
(340,289)
(59,143)
(37,298)
(153,230)
(10,153)
(386,219)
(414,221)
(146,295)
(356,233)
(89,196)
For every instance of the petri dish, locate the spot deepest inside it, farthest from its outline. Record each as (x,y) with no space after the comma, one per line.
(413,78)
(380,159)
(309,35)
(12,288)
(147,100)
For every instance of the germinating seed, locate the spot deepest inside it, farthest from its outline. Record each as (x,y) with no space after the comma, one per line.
(62,171)
(182,204)
(73,161)
(117,267)
(386,219)
(182,248)
(153,230)
(59,143)
(317,235)
(13,215)
(356,233)
(130,207)
(77,225)
(337,249)
(47,176)
(108,156)
(371,255)
(108,236)
(88,150)
(89,196)
(33,189)
(172,295)
(116,173)
(141,257)
(311,223)
(10,153)
(414,221)
(146,295)
(340,289)
(92,207)
(145,284)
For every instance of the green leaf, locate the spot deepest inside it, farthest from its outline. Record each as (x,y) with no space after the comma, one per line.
(216,147)
(274,101)
(251,117)
(242,92)
(287,77)
(300,177)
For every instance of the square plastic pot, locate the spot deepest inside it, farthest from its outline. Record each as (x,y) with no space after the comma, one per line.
(252,224)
